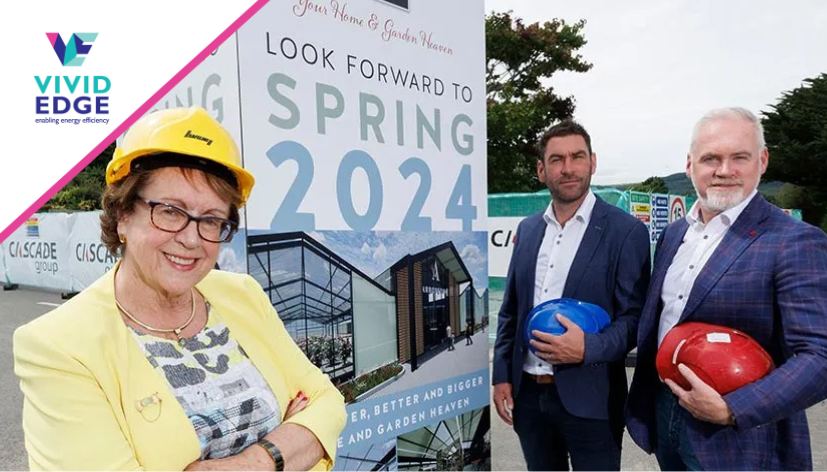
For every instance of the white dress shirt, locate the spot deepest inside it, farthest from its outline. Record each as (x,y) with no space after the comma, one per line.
(554,260)
(697,247)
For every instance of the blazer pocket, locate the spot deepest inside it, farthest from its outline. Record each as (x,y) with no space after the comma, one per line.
(744,275)
(745,272)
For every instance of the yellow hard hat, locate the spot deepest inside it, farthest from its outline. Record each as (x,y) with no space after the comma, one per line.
(180,137)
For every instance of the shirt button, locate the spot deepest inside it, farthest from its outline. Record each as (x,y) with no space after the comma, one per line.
(558,242)
(551,266)
(680,297)
(546,290)
(691,267)
(560,235)
(706,236)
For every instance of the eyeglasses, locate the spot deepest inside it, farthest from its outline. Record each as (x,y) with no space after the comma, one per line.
(172,219)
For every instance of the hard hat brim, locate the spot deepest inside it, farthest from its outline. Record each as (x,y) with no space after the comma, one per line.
(121,166)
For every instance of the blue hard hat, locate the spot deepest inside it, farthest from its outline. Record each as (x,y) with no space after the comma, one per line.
(589,317)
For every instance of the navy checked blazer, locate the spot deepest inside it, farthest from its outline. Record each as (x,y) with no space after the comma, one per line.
(767,278)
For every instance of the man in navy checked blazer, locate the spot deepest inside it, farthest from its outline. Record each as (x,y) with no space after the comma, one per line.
(738,261)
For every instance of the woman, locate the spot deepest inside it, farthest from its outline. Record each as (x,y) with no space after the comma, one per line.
(164,363)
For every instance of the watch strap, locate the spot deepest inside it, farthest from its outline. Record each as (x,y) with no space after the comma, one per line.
(274,452)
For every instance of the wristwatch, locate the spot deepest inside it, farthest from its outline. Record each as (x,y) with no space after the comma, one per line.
(274,452)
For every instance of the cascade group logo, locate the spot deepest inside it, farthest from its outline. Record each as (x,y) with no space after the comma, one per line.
(72,100)
(44,253)
(72,53)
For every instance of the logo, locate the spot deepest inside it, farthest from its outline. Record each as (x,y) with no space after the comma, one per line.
(72,53)
(94,253)
(498,241)
(32,228)
(61,96)
(197,137)
(403,4)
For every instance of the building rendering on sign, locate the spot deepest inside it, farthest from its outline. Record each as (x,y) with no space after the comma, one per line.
(349,323)
(427,286)
(461,443)
(376,457)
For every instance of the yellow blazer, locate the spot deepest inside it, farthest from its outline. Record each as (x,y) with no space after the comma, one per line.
(82,374)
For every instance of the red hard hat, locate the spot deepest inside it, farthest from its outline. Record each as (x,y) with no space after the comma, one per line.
(724,358)
(665,363)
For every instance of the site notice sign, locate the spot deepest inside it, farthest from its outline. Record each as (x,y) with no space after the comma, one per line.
(369,117)
(364,125)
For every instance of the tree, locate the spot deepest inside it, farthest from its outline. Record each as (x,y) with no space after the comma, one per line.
(796,134)
(84,191)
(651,185)
(521,104)
(794,196)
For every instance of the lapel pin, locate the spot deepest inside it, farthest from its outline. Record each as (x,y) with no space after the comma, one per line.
(752,233)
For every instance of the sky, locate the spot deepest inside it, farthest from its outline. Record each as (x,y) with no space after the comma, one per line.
(660,65)
(374,252)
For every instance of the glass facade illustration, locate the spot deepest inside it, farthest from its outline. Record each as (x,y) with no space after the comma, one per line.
(312,291)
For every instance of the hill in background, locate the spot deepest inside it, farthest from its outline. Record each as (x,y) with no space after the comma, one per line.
(679,184)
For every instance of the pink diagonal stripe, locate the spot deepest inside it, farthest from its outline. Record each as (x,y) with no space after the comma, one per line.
(198,59)
(52,38)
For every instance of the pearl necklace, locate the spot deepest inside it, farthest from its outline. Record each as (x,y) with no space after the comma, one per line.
(181,340)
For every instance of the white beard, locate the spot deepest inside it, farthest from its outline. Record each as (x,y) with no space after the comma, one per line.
(720,200)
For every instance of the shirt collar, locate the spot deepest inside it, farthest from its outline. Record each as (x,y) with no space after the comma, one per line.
(583,213)
(727,217)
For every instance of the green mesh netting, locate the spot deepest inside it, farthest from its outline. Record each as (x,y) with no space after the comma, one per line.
(524,204)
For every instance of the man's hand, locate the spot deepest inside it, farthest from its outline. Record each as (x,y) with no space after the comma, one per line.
(504,402)
(568,348)
(702,401)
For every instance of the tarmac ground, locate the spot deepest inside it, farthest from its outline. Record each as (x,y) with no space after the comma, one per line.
(20,306)
(507,455)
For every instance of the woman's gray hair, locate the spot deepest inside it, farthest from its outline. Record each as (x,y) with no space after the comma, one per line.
(730,112)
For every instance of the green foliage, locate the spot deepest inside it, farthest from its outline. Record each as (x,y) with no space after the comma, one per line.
(313,348)
(345,350)
(521,105)
(83,193)
(330,351)
(771,199)
(791,196)
(651,185)
(325,351)
(352,389)
(679,184)
(796,134)
(802,198)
